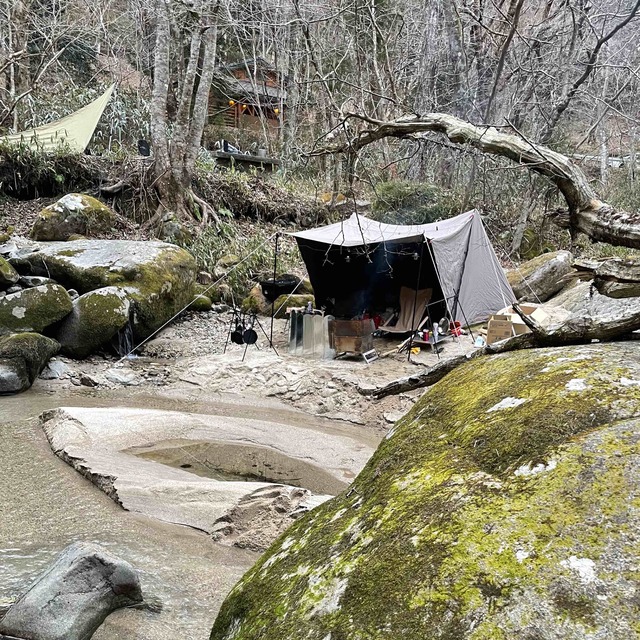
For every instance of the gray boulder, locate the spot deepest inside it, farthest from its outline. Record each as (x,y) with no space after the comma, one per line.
(33,309)
(73,214)
(8,275)
(35,281)
(541,278)
(74,596)
(96,317)
(22,358)
(503,506)
(158,278)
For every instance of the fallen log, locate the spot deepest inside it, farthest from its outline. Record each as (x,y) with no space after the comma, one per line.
(585,212)
(430,376)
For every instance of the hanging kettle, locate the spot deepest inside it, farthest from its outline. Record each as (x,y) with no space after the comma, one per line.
(237,333)
(250,336)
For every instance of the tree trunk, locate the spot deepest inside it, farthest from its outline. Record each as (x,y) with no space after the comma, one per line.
(586,213)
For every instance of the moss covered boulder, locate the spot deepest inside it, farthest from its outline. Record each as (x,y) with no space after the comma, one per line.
(22,357)
(201,303)
(284,302)
(504,506)
(33,309)
(96,317)
(8,275)
(158,278)
(256,302)
(541,278)
(73,214)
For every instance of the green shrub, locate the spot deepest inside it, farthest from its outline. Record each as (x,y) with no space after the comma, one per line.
(253,244)
(404,202)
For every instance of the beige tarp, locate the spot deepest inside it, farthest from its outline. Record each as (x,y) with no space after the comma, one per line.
(74,130)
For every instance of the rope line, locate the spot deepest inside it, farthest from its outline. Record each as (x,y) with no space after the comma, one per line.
(213,284)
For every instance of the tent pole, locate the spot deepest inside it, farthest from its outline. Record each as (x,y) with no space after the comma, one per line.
(415,302)
(273,302)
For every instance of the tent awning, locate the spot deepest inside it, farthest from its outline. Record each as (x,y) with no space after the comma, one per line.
(359,231)
(74,130)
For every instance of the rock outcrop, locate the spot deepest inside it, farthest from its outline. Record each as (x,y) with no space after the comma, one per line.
(158,278)
(96,317)
(33,309)
(504,505)
(22,357)
(8,275)
(541,278)
(74,596)
(73,214)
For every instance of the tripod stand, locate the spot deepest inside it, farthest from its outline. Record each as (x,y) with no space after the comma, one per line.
(241,331)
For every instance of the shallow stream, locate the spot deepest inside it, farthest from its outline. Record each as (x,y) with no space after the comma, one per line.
(45,505)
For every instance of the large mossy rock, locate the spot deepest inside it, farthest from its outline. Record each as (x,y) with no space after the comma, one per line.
(8,275)
(22,357)
(33,309)
(539,279)
(504,505)
(284,302)
(158,277)
(73,214)
(96,317)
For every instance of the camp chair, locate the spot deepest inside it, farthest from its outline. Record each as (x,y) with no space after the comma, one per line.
(409,319)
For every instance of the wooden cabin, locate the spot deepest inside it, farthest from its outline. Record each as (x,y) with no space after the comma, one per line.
(249,95)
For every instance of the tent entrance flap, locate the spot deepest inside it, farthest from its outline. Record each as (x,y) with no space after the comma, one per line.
(360,265)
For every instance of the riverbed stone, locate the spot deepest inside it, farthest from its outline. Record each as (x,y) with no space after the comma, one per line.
(22,357)
(283,302)
(75,213)
(96,317)
(73,596)
(33,309)
(539,279)
(503,506)
(158,277)
(8,275)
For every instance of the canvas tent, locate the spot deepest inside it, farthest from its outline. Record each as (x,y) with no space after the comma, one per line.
(360,265)
(74,131)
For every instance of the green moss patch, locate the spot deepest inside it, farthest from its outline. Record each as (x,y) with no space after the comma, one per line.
(475,518)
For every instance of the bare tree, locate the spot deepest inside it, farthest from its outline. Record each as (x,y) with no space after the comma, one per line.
(179,101)
(586,213)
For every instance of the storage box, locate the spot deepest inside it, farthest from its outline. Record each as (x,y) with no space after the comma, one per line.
(507,323)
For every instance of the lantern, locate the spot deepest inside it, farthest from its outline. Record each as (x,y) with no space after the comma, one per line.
(231,103)
(276,111)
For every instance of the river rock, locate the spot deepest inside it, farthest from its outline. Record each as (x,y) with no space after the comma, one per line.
(201,303)
(256,302)
(74,596)
(55,370)
(33,309)
(539,279)
(35,281)
(157,277)
(96,317)
(22,358)
(74,213)
(503,506)
(8,275)
(296,300)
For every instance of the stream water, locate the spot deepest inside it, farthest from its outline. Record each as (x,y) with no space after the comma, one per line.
(45,505)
